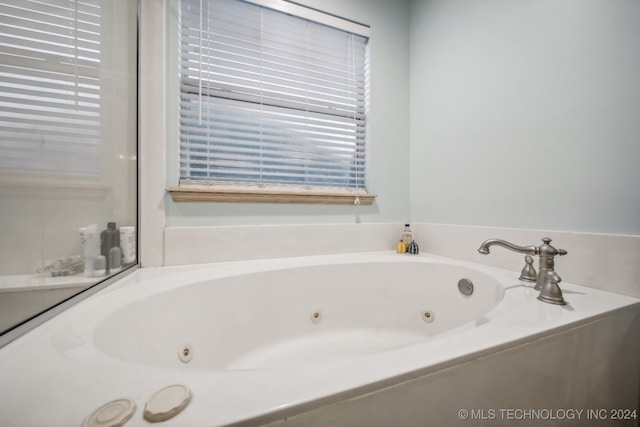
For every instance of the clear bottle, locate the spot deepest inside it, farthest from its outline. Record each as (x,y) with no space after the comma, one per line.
(407,236)
(115,259)
(128,244)
(91,248)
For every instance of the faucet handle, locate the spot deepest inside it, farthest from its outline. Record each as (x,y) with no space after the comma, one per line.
(549,250)
(528,273)
(551,292)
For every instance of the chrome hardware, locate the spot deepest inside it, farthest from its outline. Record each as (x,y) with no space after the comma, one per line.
(528,273)
(546,252)
(465,286)
(484,248)
(550,291)
(546,279)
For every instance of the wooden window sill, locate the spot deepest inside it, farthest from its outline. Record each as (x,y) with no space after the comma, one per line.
(268,195)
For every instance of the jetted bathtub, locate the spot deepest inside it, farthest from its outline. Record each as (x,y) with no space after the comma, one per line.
(361,339)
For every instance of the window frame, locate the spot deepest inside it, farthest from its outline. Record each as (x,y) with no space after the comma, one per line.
(205,191)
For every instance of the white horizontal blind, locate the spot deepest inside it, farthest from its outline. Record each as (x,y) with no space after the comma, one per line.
(50,87)
(270,98)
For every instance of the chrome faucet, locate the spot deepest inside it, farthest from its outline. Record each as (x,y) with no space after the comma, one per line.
(547,279)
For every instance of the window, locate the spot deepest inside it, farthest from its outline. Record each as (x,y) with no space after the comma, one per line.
(50,87)
(271,100)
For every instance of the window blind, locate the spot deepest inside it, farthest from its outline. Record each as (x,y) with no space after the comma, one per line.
(270,98)
(50,87)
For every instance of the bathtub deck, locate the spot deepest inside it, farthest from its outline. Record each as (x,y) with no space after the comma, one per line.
(56,379)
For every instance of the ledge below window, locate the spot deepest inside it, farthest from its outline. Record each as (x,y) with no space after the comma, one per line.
(268,195)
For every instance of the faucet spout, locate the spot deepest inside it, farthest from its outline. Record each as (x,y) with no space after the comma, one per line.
(529,250)
(546,279)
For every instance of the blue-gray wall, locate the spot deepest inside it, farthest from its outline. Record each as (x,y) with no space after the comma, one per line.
(526,113)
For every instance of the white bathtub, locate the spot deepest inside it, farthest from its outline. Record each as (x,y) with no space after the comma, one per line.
(281,317)
(319,340)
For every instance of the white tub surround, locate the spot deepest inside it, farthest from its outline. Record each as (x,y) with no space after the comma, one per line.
(196,245)
(584,376)
(604,261)
(124,342)
(610,262)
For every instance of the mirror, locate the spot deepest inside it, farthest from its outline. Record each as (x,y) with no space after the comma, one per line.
(68,144)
